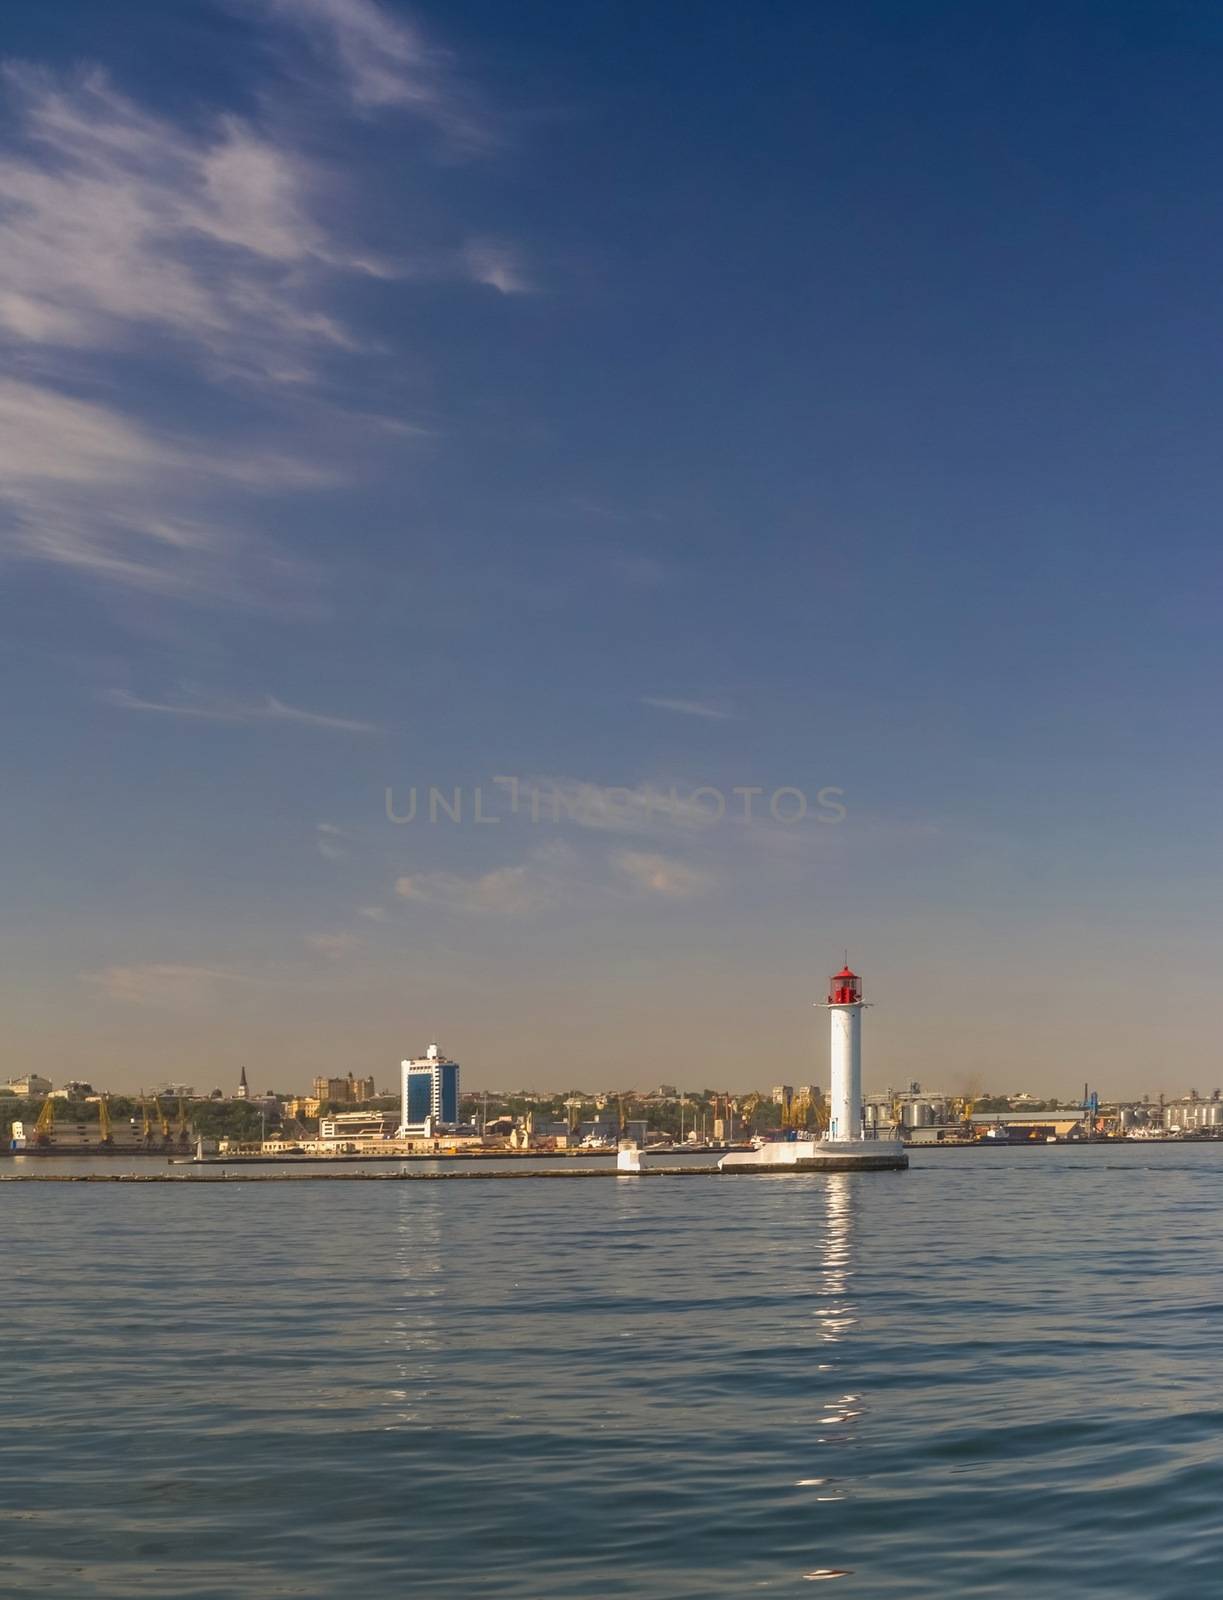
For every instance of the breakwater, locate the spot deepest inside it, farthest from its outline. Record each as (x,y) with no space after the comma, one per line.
(469,1175)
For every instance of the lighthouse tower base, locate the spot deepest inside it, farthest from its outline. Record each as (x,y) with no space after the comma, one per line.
(819,1155)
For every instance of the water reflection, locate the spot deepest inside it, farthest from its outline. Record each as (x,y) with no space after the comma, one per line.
(418,1280)
(837,1318)
(837,1314)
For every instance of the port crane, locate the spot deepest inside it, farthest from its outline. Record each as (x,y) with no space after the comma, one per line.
(105,1136)
(45,1126)
(748,1108)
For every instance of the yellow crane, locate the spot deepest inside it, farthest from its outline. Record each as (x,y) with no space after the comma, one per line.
(104,1134)
(748,1108)
(184,1127)
(164,1120)
(146,1123)
(44,1127)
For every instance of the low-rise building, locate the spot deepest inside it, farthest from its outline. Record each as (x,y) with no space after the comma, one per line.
(537,1132)
(29,1087)
(1030,1124)
(357,1125)
(348,1091)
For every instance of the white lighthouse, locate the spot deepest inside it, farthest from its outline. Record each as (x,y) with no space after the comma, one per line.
(844,1005)
(846,1146)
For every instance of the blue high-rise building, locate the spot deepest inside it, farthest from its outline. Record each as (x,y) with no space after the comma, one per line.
(430,1094)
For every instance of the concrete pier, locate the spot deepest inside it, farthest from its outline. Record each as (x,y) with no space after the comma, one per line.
(468,1175)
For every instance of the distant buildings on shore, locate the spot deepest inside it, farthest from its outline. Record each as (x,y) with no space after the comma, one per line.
(29,1087)
(347,1113)
(347,1091)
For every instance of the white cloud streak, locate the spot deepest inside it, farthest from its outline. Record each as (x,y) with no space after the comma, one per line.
(543,880)
(644,808)
(383,61)
(332,945)
(84,488)
(661,875)
(687,708)
(114,225)
(162,985)
(113,220)
(267,709)
(496,265)
(328,841)
(504,890)
(202,245)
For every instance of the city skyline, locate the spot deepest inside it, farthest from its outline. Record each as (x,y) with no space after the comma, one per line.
(773,444)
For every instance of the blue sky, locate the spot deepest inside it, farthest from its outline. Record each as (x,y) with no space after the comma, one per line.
(778,397)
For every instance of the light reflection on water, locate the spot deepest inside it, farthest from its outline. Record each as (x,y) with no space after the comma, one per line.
(914,1384)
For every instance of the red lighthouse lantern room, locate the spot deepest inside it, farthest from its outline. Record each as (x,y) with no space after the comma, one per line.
(844,988)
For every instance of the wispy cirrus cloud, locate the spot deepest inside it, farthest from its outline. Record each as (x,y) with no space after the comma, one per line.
(662,875)
(333,945)
(544,879)
(688,708)
(162,984)
(329,841)
(266,709)
(496,265)
(113,220)
(503,890)
(86,489)
(205,244)
(555,875)
(643,808)
(382,59)
(116,225)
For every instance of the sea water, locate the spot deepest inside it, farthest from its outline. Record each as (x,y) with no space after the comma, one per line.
(996,1374)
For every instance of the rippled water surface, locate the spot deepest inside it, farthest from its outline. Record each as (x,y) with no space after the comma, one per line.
(993,1375)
